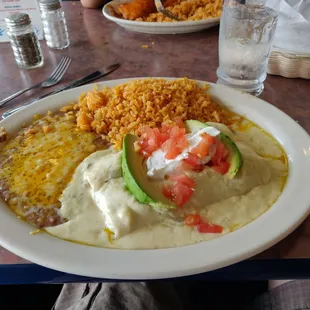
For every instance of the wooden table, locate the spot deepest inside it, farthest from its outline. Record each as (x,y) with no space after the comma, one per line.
(96,42)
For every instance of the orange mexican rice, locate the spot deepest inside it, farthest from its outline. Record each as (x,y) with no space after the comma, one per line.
(113,112)
(188,10)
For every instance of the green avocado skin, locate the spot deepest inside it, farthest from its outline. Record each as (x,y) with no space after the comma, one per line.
(131,161)
(135,178)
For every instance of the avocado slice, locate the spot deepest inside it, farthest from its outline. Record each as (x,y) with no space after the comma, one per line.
(135,177)
(234,157)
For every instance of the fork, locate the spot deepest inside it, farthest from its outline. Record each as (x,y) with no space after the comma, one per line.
(55,77)
(160,8)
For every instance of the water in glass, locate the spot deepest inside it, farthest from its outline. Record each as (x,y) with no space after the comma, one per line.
(246,37)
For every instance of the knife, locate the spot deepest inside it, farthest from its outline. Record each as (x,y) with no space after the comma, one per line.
(89,78)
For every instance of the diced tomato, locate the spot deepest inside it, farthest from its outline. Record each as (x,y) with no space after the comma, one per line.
(171,149)
(151,139)
(194,163)
(182,178)
(178,193)
(218,160)
(180,188)
(192,159)
(176,143)
(177,132)
(146,132)
(201,226)
(146,149)
(222,167)
(181,194)
(192,220)
(206,228)
(154,138)
(203,148)
(164,137)
(181,142)
(220,153)
(167,192)
(208,139)
(170,138)
(157,138)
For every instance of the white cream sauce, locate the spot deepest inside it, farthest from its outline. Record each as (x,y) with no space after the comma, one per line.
(96,198)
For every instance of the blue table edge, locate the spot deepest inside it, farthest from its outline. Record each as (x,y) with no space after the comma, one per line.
(253,269)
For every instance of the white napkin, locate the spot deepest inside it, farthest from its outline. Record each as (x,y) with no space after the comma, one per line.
(293,30)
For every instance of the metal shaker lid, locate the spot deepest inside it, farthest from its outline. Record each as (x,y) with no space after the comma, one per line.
(49,5)
(17,20)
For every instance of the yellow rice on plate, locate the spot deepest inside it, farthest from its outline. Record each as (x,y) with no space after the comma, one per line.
(188,10)
(114,112)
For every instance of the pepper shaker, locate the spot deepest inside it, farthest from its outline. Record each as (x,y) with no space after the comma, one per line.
(24,42)
(54,24)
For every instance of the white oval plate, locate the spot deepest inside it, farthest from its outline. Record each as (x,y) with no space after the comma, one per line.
(157,27)
(282,218)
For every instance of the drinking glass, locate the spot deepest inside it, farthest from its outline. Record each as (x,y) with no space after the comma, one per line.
(246,36)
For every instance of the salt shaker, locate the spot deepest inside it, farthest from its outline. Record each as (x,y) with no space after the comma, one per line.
(24,42)
(54,24)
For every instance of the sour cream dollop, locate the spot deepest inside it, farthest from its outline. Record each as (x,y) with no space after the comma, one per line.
(158,166)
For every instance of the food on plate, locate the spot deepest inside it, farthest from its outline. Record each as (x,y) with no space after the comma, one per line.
(146,164)
(113,112)
(145,10)
(171,153)
(225,148)
(37,164)
(137,8)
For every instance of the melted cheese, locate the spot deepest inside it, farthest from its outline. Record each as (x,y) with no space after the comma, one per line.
(41,160)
